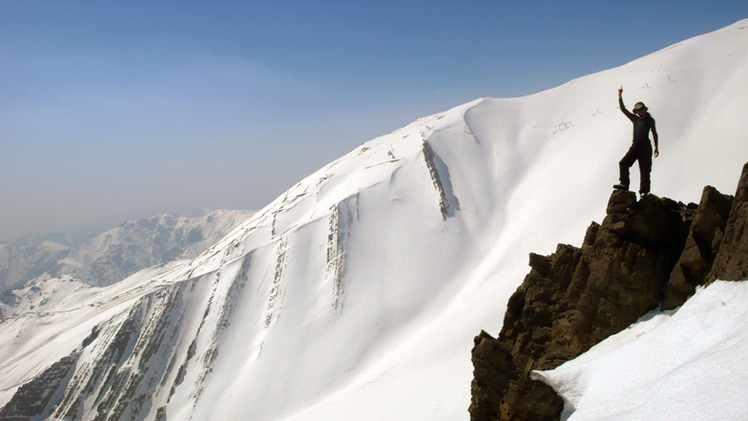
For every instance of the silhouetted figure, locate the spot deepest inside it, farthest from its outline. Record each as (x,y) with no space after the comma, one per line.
(641,149)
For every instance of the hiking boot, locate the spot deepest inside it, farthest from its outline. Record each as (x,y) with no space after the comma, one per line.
(621,187)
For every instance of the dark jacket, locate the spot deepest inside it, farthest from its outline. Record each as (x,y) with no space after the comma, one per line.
(642,126)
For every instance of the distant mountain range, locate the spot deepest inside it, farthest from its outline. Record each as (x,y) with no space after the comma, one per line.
(115,254)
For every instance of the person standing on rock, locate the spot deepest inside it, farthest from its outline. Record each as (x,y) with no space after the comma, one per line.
(641,149)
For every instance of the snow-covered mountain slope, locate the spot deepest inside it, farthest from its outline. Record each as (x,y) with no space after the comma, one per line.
(117,253)
(357,293)
(39,295)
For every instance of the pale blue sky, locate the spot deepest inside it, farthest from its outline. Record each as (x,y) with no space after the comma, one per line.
(118,109)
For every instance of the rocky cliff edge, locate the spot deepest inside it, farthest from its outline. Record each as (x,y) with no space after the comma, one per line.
(647,253)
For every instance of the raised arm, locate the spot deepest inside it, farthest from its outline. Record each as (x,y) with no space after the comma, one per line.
(625,112)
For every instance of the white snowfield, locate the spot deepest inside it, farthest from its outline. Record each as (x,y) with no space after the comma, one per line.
(690,365)
(357,293)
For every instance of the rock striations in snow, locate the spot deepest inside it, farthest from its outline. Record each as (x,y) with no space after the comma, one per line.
(356,294)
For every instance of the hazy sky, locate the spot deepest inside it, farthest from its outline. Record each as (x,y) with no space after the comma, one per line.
(118,109)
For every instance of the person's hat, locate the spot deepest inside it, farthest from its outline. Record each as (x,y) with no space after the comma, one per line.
(640,106)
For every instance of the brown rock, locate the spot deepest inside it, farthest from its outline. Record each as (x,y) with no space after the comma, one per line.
(572,300)
(643,251)
(731,261)
(704,238)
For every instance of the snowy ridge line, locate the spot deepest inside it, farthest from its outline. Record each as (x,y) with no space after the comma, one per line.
(106,301)
(268,216)
(114,255)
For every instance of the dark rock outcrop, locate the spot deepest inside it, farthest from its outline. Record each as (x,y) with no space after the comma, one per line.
(703,242)
(574,299)
(32,400)
(645,253)
(731,261)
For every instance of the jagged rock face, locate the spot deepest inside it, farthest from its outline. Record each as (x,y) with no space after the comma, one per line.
(703,242)
(574,299)
(32,398)
(731,262)
(642,253)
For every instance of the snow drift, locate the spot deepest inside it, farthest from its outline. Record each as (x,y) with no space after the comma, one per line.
(357,293)
(683,366)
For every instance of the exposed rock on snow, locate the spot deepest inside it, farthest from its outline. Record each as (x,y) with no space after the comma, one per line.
(577,297)
(448,203)
(32,399)
(731,262)
(574,299)
(702,244)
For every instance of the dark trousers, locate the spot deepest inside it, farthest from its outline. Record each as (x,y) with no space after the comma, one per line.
(641,152)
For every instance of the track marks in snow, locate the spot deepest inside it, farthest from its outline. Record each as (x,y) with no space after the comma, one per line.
(391,161)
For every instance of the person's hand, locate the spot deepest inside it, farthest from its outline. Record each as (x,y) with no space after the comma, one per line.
(657,153)
(620,91)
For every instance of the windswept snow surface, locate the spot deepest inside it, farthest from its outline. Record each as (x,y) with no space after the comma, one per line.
(357,293)
(690,365)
